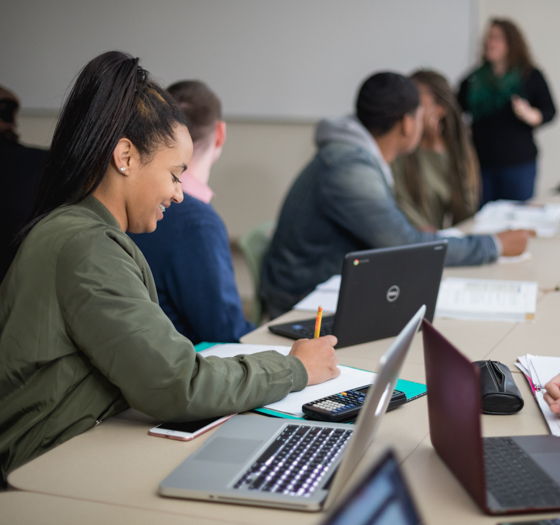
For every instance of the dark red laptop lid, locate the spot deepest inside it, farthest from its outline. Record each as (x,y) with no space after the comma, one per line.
(454,411)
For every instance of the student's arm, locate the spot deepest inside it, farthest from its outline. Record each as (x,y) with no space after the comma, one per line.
(355,196)
(200,280)
(552,396)
(540,97)
(109,315)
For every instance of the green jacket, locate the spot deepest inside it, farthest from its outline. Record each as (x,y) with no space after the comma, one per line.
(82,338)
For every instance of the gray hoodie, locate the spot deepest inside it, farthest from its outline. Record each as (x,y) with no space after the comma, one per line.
(343,201)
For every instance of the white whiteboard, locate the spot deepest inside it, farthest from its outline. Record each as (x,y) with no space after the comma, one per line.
(278,59)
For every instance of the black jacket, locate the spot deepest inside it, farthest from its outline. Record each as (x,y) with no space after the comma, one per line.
(20,172)
(502,139)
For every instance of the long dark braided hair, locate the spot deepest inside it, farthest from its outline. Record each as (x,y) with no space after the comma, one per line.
(112,98)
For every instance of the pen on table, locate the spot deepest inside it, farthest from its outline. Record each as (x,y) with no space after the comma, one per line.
(318,321)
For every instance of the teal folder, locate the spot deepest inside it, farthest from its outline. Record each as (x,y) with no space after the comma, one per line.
(411,389)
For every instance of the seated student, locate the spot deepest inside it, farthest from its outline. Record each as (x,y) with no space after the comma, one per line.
(189,253)
(343,200)
(21,169)
(438,184)
(81,334)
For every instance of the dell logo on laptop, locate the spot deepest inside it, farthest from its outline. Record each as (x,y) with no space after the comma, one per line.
(393,293)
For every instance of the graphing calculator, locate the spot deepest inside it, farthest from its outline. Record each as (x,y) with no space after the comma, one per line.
(345,405)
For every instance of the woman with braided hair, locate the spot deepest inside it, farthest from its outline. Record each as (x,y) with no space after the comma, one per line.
(438,184)
(82,337)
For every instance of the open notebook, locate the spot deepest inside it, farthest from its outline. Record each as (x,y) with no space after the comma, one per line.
(538,371)
(290,407)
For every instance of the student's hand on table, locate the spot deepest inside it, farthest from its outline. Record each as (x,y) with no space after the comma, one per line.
(552,396)
(525,112)
(318,357)
(514,242)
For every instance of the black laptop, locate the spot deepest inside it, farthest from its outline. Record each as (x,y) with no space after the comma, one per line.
(380,291)
(381,498)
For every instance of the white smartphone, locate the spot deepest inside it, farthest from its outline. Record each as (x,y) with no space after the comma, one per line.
(187,431)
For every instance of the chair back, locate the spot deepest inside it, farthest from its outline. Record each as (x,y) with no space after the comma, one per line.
(254,245)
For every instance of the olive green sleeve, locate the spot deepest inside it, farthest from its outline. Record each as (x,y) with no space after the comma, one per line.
(403,198)
(111,318)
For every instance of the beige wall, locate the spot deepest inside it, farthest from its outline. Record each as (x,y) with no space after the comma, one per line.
(260,160)
(257,166)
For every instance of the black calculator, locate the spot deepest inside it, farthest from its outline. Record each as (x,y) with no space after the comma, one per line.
(345,405)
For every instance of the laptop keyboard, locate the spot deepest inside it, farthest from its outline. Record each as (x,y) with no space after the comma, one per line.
(296,462)
(514,479)
(307,329)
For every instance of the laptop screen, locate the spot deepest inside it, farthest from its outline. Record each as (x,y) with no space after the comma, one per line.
(381,499)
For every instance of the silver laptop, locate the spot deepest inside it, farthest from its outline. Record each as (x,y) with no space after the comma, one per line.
(292,464)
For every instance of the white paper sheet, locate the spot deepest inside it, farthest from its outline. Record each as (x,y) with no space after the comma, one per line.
(552,419)
(511,215)
(328,299)
(514,259)
(233,349)
(451,232)
(541,369)
(348,379)
(487,300)
(332,284)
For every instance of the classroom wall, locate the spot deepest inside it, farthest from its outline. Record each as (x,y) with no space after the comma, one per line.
(261,158)
(257,166)
(287,60)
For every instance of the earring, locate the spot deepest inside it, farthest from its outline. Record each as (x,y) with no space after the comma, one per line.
(123,168)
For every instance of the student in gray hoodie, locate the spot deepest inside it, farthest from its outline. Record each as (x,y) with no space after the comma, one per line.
(343,200)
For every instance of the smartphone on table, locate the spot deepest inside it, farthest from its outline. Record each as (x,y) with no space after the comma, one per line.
(187,431)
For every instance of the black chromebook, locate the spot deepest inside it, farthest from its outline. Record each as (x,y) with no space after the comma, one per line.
(379,292)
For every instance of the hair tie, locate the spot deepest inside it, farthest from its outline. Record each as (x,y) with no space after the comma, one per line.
(141,79)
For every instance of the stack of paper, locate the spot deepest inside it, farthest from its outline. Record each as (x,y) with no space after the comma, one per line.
(503,215)
(539,371)
(325,295)
(487,300)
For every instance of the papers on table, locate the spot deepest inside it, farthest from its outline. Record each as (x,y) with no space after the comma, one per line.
(348,379)
(487,300)
(451,232)
(502,215)
(525,256)
(325,295)
(538,371)
(331,285)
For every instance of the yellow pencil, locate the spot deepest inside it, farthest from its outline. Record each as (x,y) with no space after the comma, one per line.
(318,321)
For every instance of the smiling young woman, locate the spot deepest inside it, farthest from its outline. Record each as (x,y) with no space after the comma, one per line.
(81,334)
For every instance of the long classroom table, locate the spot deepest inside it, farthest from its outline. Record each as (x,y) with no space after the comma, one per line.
(117,463)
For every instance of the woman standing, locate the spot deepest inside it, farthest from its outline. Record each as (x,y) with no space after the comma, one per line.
(438,184)
(507,97)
